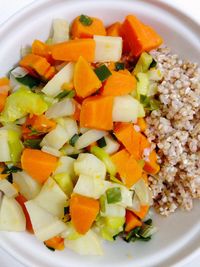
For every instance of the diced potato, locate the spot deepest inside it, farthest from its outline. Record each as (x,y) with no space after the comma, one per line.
(90,165)
(108,48)
(28,186)
(65,75)
(60,31)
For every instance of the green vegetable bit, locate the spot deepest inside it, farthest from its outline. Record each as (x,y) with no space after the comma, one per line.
(153,64)
(85,20)
(65,93)
(102,201)
(32,143)
(113,195)
(149,103)
(11,169)
(119,66)
(29,81)
(101,142)
(102,72)
(74,139)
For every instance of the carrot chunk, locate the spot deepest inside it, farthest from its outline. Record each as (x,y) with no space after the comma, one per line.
(38,164)
(73,49)
(119,83)
(81,30)
(114,29)
(96,112)
(83,212)
(86,81)
(142,212)
(131,221)
(56,242)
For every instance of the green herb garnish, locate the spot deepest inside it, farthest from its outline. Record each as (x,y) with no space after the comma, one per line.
(85,20)
(113,195)
(101,142)
(32,143)
(153,64)
(119,66)
(102,72)
(11,169)
(65,93)
(74,139)
(28,80)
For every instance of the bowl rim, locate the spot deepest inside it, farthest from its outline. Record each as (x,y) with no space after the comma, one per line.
(9,23)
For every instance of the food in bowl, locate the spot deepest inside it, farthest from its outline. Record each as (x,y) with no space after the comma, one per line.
(80,135)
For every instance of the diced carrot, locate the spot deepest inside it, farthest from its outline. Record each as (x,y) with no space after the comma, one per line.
(83,211)
(119,84)
(4,88)
(129,137)
(151,165)
(131,221)
(21,200)
(73,49)
(79,30)
(34,63)
(38,164)
(77,113)
(142,124)
(41,49)
(128,168)
(96,112)
(142,212)
(4,81)
(86,81)
(35,126)
(114,29)
(56,242)
(139,36)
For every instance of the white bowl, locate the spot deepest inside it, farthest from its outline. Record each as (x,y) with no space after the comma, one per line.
(178,238)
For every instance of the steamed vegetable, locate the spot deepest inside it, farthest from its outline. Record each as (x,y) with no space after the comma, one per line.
(151,165)
(83,212)
(65,75)
(49,191)
(111,146)
(65,165)
(20,103)
(41,49)
(28,186)
(143,63)
(55,243)
(8,189)
(60,31)
(45,225)
(90,165)
(114,29)
(86,27)
(65,182)
(96,112)
(39,165)
(86,81)
(11,216)
(73,49)
(131,221)
(107,48)
(140,37)
(65,107)
(119,84)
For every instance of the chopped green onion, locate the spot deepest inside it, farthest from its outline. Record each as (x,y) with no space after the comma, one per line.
(101,142)
(74,139)
(119,66)
(103,156)
(50,248)
(113,195)
(149,222)
(146,231)
(115,180)
(11,169)
(74,156)
(33,143)
(153,64)
(102,72)
(103,203)
(85,20)
(65,93)
(28,80)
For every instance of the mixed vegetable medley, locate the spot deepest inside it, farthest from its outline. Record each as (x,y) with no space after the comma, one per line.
(74,156)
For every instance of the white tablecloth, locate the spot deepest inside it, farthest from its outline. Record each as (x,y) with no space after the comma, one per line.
(9,7)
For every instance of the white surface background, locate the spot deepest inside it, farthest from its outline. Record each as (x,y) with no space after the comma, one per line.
(9,7)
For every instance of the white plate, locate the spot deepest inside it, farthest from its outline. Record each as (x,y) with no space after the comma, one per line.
(178,238)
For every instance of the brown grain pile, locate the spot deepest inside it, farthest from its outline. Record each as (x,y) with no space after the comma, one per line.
(175,130)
